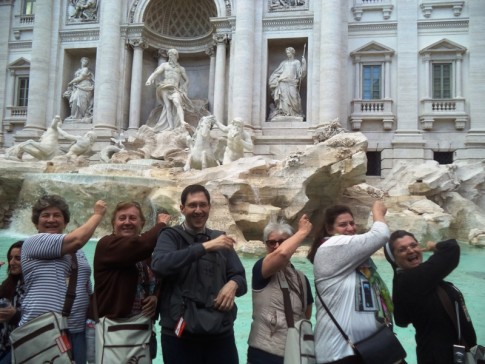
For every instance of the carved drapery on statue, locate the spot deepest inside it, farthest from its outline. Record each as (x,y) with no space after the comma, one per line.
(284,84)
(80,93)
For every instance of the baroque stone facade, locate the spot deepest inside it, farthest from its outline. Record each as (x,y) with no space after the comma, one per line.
(407,74)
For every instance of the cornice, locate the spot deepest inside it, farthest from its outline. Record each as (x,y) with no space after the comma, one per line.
(288,23)
(20,45)
(79,35)
(443,24)
(372,27)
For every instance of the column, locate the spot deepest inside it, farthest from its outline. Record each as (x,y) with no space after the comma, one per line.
(212,54)
(107,66)
(39,69)
(220,77)
(332,72)
(136,82)
(162,56)
(387,77)
(243,62)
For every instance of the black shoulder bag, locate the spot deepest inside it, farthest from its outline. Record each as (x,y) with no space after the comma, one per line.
(381,347)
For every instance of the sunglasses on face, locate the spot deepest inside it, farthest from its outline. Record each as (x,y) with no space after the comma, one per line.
(272,243)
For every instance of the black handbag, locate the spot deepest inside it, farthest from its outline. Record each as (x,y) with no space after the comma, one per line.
(381,347)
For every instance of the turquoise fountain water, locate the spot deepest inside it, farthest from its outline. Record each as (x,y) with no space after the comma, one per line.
(469,277)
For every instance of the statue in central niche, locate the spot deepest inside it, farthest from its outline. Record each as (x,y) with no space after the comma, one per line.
(284,84)
(171,92)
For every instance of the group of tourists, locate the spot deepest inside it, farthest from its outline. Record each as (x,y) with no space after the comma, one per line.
(187,276)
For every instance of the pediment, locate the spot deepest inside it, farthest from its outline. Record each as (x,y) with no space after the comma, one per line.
(372,48)
(444,46)
(20,63)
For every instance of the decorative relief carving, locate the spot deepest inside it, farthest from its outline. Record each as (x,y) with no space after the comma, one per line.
(82,11)
(287,5)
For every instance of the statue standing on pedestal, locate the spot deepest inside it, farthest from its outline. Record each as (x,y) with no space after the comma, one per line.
(80,92)
(171,92)
(284,84)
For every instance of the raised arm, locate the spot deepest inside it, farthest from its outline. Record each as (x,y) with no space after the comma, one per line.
(158,71)
(279,258)
(76,239)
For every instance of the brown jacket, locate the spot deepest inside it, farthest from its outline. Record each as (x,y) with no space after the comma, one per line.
(115,272)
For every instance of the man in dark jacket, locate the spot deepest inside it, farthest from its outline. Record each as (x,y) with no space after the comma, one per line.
(417,299)
(201,275)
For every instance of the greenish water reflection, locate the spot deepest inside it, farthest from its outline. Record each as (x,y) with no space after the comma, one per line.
(469,277)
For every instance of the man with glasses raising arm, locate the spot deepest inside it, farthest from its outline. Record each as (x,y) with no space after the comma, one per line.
(201,275)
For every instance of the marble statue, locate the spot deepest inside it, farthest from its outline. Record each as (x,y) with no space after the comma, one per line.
(201,155)
(83,10)
(45,149)
(284,84)
(238,140)
(171,92)
(82,145)
(80,91)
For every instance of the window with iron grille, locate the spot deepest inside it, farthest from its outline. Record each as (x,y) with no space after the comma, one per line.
(373,164)
(443,157)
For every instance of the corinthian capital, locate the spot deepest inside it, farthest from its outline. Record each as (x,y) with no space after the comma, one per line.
(139,42)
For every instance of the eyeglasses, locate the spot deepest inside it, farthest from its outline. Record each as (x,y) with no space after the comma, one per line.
(404,249)
(272,243)
(195,205)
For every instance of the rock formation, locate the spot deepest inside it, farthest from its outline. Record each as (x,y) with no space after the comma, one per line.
(431,200)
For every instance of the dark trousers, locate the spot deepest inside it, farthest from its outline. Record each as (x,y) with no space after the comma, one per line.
(199,350)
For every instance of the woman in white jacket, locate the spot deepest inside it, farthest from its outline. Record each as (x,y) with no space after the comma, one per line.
(346,279)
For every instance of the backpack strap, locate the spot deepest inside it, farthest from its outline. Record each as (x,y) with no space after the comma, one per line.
(71,288)
(290,321)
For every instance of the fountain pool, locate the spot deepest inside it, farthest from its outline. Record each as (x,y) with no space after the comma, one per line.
(469,277)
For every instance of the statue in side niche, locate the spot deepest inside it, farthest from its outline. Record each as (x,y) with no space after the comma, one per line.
(284,84)
(80,93)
